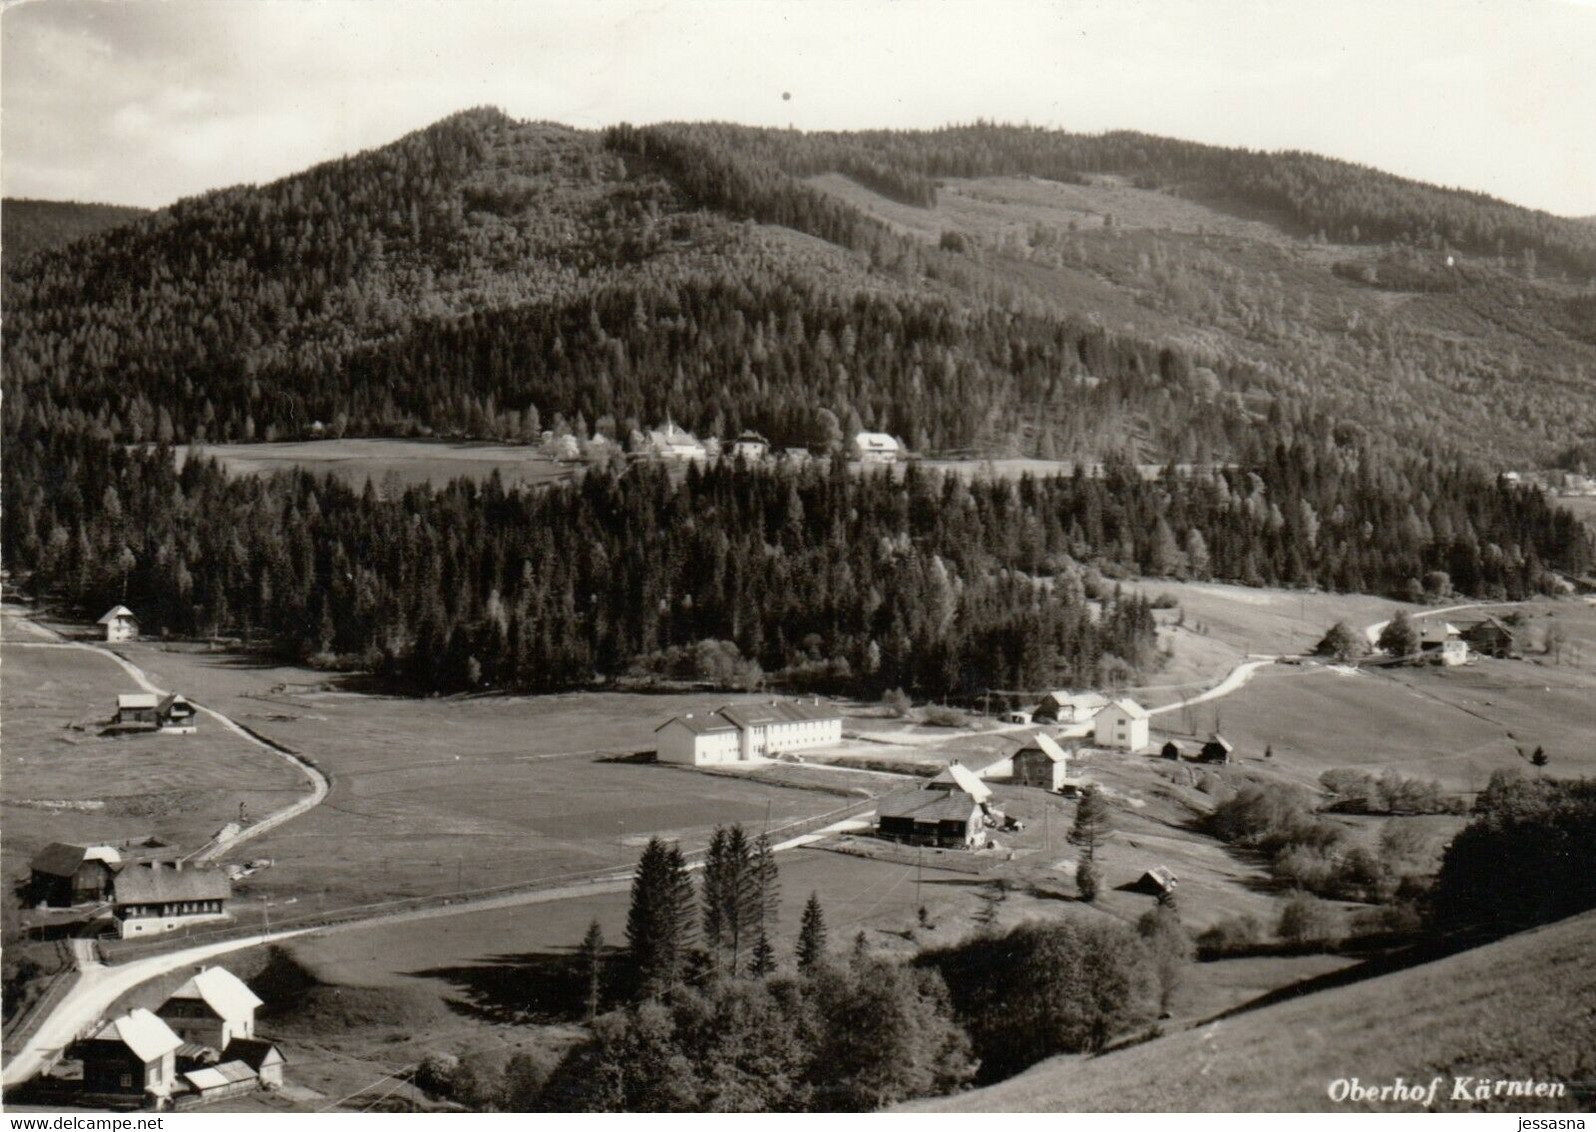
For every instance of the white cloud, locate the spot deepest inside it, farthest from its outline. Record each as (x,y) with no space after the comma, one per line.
(145,101)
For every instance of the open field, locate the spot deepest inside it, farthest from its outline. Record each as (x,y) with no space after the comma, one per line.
(1492,1012)
(439,795)
(382,461)
(65,781)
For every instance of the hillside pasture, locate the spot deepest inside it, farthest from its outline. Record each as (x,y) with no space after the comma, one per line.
(1503,1011)
(390,462)
(65,781)
(442,794)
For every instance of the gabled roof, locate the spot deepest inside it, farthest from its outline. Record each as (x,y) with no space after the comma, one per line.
(253,1052)
(216,1076)
(1130,707)
(1045,744)
(928,805)
(960,777)
(1090,701)
(58,859)
(749,436)
(116,614)
(1216,739)
(174,700)
(130,700)
(876,440)
(778,711)
(142,1032)
(221,990)
(699,724)
(159,884)
(1161,877)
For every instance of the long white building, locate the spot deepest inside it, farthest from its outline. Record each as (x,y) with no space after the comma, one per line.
(747,732)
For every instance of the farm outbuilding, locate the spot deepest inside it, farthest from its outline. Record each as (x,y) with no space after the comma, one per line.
(1041,763)
(1171,751)
(1490,637)
(1156,881)
(137,709)
(260,1055)
(1121,726)
(1217,749)
(946,819)
(62,875)
(1070,707)
(1444,644)
(120,624)
(217,1082)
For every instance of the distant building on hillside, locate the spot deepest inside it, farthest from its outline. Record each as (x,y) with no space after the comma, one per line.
(153,897)
(1171,750)
(1444,644)
(746,732)
(1121,726)
(1156,881)
(175,713)
(1491,637)
(120,624)
(133,1057)
(1218,749)
(1041,763)
(750,446)
(673,443)
(1070,707)
(214,1008)
(875,448)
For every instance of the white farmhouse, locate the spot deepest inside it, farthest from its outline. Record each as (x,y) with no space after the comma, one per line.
(120,624)
(875,448)
(1121,726)
(673,443)
(747,732)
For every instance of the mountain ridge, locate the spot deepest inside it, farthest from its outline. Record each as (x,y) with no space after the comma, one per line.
(329,294)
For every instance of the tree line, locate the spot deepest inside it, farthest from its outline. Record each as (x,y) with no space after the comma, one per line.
(840,581)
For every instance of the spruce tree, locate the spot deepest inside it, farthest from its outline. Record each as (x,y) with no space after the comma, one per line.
(590,957)
(1093,822)
(659,920)
(812,936)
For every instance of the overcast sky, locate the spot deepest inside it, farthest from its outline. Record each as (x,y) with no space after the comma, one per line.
(145,101)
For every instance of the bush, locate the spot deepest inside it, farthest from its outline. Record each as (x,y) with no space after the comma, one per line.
(1047,988)
(897,702)
(1233,935)
(1307,921)
(939,716)
(1087,881)
(1166,601)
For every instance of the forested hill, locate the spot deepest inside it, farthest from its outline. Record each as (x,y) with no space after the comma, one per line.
(985,289)
(29,226)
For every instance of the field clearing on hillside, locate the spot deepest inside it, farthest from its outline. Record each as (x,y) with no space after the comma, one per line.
(1453,725)
(440,794)
(1583,506)
(385,461)
(1270,621)
(994,207)
(178,787)
(1500,1011)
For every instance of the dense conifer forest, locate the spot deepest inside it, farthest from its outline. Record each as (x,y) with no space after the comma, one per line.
(490,278)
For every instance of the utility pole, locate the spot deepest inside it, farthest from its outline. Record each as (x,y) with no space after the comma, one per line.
(919,874)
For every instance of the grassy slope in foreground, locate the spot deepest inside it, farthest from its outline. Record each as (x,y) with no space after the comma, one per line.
(1522,1007)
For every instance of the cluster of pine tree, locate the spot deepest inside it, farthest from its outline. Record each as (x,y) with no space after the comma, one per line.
(924,581)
